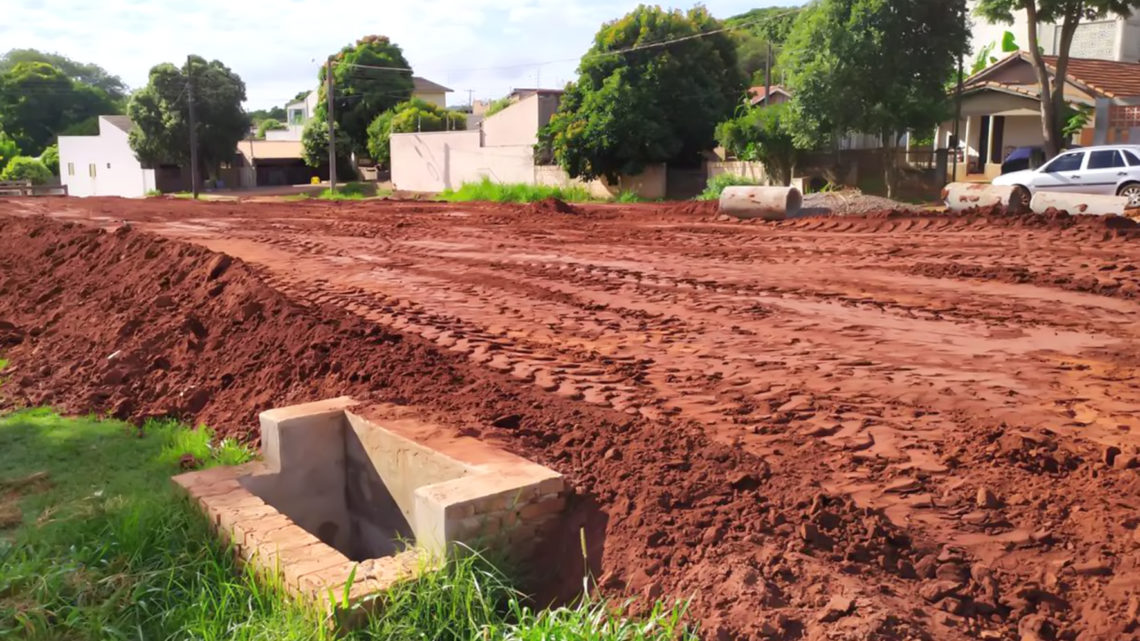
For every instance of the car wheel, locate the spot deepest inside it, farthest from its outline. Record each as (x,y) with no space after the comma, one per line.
(1019,199)
(1131,191)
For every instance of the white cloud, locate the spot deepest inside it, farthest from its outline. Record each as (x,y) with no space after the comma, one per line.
(487,46)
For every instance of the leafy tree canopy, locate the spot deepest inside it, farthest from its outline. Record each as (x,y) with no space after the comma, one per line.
(651,105)
(1055,116)
(50,159)
(79,72)
(315,148)
(26,168)
(8,150)
(257,116)
(761,134)
(267,125)
(756,30)
(38,101)
(362,94)
(872,66)
(161,114)
(406,117)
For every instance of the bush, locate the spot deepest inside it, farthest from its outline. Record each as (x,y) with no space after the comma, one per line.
(8,150)
(407,117)
(267,125)
(26,168)
(50,159)
(717,183)
(486,190)
(496,106)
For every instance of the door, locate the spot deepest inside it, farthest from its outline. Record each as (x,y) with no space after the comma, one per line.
(1063,173)
(1104,171)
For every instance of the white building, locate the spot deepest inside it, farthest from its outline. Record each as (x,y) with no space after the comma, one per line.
(299,112)
(103,165)
(1112,38)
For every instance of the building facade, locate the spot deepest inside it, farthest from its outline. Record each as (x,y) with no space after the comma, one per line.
(1112,38)
(104,164)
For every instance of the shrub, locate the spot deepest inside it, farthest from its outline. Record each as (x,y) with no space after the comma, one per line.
(26,168)
(50,159)
(406,117)
(496,106)
(8,150)
(267,125)
(717,183)
(486,190)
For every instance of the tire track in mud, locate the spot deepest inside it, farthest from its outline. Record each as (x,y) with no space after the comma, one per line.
(813,346)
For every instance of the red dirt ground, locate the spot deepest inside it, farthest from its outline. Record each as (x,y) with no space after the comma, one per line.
(889,426)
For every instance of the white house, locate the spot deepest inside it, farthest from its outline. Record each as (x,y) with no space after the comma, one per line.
(299,112)
(1112,38)
(103,165)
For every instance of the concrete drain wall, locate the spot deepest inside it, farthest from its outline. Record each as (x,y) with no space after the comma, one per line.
(388,497)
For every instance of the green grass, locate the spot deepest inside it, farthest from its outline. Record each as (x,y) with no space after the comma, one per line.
(101,546)
(352,191)
(717,183)
(486,190)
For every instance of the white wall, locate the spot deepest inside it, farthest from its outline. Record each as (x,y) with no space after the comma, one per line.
(421,161)
(515,125)
(109,157)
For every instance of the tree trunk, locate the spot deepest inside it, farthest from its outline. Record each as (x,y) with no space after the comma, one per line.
(890,163)
(1052,87)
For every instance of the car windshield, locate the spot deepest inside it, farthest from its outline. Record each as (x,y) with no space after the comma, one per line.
(1068,162)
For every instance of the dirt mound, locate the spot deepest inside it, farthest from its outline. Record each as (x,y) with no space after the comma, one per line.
(139,326)
(910,220)
(548,206)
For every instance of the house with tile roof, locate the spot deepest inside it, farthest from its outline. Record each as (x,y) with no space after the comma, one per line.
(1001,109)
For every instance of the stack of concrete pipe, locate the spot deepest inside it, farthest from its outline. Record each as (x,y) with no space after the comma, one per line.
(766,203)
(963,196)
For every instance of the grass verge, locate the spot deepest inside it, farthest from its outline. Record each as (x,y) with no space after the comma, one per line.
(486,190)
(95,543)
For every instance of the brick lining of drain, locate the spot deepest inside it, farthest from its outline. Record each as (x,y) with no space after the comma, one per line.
(337,491)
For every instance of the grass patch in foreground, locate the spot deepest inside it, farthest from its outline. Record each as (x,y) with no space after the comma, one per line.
(486,190)
(96,544)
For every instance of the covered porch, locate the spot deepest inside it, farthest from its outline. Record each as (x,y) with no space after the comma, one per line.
(995,121)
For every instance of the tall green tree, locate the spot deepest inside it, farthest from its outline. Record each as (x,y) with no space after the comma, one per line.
(406,117)
(645,103)
(873,66)
(361,90)
(755,31)
(315,148)
(1069,14)
(39,101)
(161,114)
(84,73)
(761,134)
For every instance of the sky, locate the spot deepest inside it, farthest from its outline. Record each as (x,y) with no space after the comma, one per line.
(487,47)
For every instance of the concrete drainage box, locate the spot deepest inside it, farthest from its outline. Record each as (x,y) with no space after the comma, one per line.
(337,493)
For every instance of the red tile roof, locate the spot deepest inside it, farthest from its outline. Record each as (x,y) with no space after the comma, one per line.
(759,96)
(1111,78)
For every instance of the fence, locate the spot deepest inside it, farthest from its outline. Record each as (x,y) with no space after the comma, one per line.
(26,188)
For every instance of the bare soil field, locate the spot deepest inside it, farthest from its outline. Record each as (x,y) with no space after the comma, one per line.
(887,426)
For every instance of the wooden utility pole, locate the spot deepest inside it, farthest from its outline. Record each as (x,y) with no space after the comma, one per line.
(332,133)
(768,77)
(194,182)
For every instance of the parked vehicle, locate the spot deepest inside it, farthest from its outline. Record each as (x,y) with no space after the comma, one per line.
(1107,169)
(1023,158)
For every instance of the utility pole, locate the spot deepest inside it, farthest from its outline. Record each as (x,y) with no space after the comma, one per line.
(470,98)
(193,131)
(958,116)
(332,134)
(768,77)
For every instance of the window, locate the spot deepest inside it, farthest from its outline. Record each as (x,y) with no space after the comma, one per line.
(1133,159)
(70,169)
(1108,159)
(91,170)
(1068,162)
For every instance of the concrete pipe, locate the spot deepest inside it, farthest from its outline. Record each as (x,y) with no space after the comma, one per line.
(963,196)
(768,203)
(1093,204)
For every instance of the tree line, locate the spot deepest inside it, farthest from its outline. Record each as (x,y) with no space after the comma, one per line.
(655,86)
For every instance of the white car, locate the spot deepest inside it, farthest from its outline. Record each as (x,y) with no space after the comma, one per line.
(1110,169)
